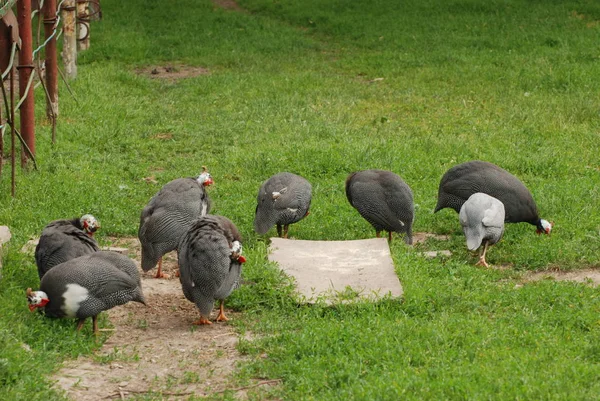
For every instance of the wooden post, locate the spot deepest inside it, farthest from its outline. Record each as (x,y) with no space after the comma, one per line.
(83,25)
(49,12)
(69,53)
(25,68)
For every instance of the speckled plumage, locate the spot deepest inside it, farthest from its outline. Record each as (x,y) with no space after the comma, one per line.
(62,240)
(482,219)
(465,179)
(110,279)
(383,199)
(168,216)
(209,263)
(282,200)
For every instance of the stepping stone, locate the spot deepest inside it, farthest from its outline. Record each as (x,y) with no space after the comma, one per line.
(5,235)
(338,271)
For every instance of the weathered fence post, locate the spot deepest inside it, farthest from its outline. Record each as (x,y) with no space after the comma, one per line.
(69,53)
(25,68)
(83,25)
(51,61)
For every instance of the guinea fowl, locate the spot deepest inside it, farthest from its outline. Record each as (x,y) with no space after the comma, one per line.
(384,200)
(282,200)
(210,262)
(482,220)
(63,240)
(168,216)
(463,180)
(85,286)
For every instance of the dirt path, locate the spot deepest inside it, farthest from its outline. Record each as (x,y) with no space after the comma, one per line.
(154,348)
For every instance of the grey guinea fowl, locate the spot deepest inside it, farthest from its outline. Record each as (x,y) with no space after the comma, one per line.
(465,179)
(482,220)
(85,286)
(210,262)
(168,216)
(63,240)
(384,200)
(282,200)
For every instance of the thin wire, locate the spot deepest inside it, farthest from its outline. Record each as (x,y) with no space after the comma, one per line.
(12,59)
(40,47)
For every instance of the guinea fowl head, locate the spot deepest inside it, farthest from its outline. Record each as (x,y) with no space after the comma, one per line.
(36,299)
(90,224)
(236,252)
(544,227)
(205,178)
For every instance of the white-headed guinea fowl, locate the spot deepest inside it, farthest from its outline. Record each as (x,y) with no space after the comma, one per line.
(168,216)
(63,240)
(384,200)
(210,262)
(465,179)
(482,220)
(282,200)
(85,286)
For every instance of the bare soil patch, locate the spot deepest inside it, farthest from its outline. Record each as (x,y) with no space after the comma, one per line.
(421,237)
(172,72)
(589,276)
(155,350)
(228,5)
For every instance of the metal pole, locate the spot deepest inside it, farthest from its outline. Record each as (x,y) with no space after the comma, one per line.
(13,137)
(25,68)
(51,62)
(69,53)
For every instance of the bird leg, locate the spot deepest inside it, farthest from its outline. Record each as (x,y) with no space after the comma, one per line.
(222,317)
(202,321)
(482,261)
(285,230)
(279,232)
(378,234)
(389,236)
(95,324)
(80,324)
(159,273)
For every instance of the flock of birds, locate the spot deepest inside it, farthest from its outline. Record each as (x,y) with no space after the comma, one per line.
(78,280)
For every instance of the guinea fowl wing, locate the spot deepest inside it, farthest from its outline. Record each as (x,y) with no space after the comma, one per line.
(61,241)
(372,203)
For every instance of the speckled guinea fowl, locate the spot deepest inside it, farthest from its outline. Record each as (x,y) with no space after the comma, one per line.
(210,262)
(85,286)
(465,179)
(482,220)
(282,200)
(63,240)
(168,216)
(384,200)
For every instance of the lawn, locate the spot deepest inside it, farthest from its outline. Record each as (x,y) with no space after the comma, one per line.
(321,89)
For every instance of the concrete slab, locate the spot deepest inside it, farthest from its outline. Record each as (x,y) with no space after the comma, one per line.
(5,234)
(338,271)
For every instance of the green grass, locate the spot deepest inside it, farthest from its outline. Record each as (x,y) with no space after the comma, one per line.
(322,89)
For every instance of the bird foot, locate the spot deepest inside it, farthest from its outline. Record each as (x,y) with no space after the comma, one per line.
(222,318)
(162,275)
(202,321)
(482,263)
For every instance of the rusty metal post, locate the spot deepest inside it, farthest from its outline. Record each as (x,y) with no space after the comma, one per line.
(83,25)
(51,61)
(25,67)
(69,53)
(13,137)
